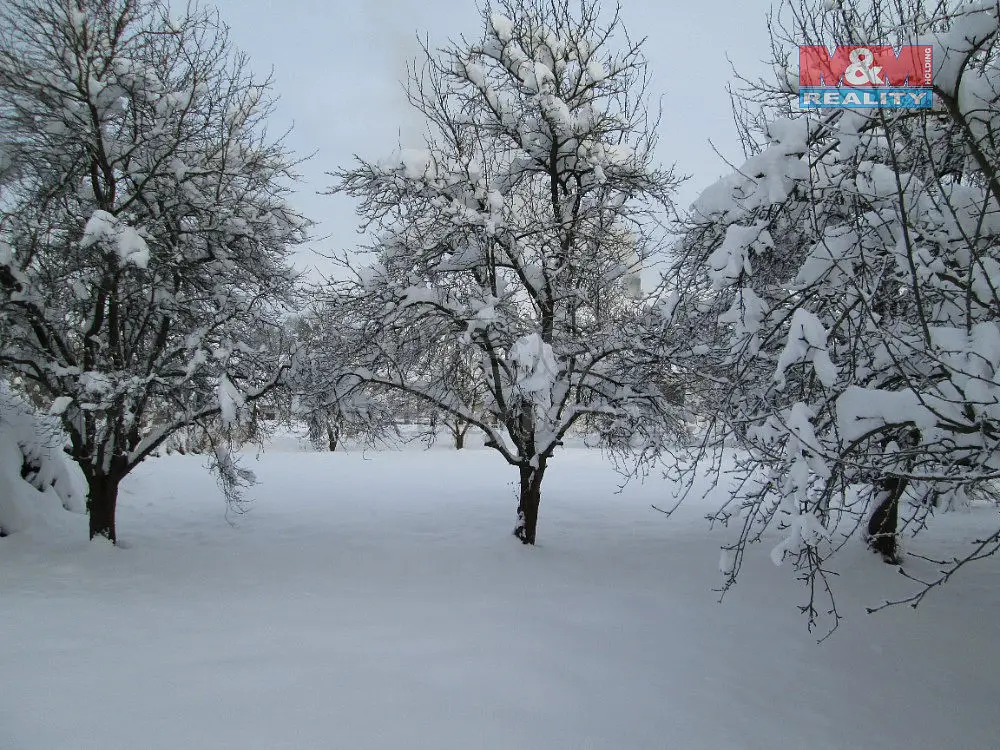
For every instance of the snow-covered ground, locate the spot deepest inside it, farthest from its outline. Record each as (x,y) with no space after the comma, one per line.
(379,601)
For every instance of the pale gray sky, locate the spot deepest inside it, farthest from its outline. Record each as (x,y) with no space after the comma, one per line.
(338,66)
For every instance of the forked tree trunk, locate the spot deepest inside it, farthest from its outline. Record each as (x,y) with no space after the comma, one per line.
(527,507)
(458,432)
(882,527)
(102,500)
(332,436)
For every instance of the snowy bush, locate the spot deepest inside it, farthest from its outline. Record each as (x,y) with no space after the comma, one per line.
(37,478)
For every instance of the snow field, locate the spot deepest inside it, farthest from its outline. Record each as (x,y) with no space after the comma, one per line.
(379,601)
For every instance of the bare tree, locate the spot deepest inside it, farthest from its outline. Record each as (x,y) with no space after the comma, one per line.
(841,290)
(333,409)
(515,239)
(143,227)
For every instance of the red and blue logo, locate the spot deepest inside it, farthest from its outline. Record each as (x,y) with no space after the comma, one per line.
(857,77)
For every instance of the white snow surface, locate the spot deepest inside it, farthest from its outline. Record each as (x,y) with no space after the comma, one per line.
(378,601)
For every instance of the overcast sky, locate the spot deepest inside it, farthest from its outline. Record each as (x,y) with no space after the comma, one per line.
(338,68)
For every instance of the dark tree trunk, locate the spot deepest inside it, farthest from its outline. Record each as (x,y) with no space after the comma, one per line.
(527,507)
(332,436)
(102,500)
(882,526)
(458,430)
